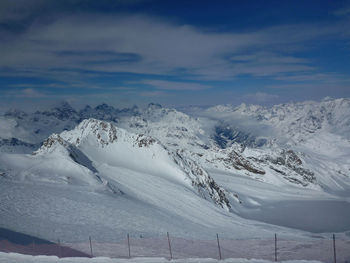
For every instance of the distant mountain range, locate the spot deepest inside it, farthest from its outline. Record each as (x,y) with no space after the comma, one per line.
(228,163)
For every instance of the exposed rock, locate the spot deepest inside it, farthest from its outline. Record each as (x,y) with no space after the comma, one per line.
(144,141)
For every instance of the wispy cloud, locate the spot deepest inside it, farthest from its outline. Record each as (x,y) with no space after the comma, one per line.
(345,11)
(145,45)
(31,93)
(260,97)
(24,93)
(288,86)
(59,51)
(152,94)
(175,85)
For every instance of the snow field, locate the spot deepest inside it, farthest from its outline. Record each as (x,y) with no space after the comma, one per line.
(18,258)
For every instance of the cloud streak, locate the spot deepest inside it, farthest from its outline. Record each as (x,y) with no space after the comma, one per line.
(145,45)
(175,85)
(70,48)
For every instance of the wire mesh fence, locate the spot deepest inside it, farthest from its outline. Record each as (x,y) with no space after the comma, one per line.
(274,249)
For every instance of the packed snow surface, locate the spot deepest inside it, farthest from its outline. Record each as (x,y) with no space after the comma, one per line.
(18,258)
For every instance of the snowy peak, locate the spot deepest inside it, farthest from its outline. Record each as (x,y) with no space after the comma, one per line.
(51,144)
(171,127)
(103,132)
(98,142)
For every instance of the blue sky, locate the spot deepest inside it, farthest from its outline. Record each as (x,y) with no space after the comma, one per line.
(176,53)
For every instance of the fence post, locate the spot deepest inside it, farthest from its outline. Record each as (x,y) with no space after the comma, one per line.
(171,254)
(91,247)
(60,248)
(217,238)
(129,245)
(33,246)
(334,252)
(275,247)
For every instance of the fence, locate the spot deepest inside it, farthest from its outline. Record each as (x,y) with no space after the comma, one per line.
(275,249)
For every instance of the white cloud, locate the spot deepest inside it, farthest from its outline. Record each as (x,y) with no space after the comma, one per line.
(175,85)
(146,45)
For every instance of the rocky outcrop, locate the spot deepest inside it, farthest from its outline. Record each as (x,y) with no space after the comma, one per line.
(240,163)
(290,166)
(200,179)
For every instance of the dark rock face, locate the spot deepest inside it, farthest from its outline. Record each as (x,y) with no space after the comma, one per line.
(238,162)
(144,141)
(52,140)
(290,160)
(100,128)
(200,179)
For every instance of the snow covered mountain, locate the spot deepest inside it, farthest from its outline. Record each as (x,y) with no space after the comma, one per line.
(99,142)
(135,175)
(29,130)
(211,170)
(314,135)
(297,122)
(227,144)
